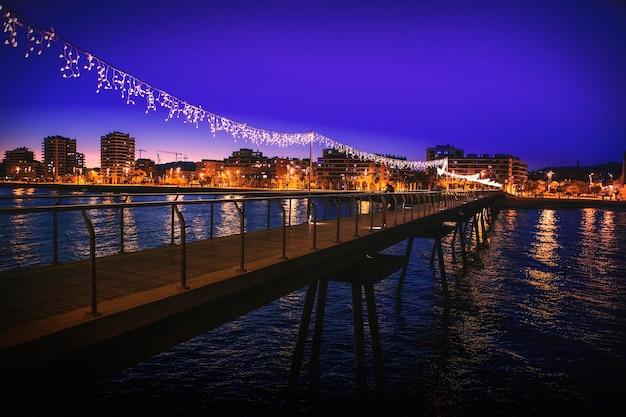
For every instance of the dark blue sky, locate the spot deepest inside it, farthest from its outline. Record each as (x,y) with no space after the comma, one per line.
(541,80)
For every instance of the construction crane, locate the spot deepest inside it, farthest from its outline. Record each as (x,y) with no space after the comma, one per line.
(175,155)
(140,151)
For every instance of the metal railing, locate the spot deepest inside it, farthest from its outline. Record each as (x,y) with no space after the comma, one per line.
(109,221)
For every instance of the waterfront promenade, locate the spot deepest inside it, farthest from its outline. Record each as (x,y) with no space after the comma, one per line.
(562,202)
(54,334)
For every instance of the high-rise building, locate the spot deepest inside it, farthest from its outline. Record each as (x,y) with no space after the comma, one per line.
(60,157)
(117,158)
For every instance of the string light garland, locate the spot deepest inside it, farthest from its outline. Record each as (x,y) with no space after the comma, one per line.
(131,88)
(443,170)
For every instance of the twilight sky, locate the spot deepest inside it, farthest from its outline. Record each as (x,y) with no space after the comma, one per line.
(541,80)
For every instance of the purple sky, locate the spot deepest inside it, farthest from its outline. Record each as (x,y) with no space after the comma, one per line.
(541,80)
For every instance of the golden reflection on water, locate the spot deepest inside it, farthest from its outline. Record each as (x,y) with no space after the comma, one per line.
(200,226)
(598,239)
(23,191)
(546,305)
(545,245)
(227,219)
(22,239)
(131,241)
(18,192)
(295,209)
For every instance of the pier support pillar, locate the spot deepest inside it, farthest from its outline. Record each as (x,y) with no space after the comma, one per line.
(361,278)
(437,233)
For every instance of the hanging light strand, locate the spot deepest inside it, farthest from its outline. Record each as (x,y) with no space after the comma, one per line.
(131,88)
(472,178)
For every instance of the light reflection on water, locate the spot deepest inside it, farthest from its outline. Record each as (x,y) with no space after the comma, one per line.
(521,335)
(537,326)
(143,227)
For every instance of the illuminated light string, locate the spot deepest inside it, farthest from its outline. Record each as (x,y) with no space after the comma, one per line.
(473,178)
(131,88)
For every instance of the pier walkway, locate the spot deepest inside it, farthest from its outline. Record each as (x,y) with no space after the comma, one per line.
(72,323)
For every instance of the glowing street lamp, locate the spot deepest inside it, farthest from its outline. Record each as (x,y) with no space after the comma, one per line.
(550,174)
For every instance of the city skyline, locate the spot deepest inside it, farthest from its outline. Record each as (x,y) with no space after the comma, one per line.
(543,82)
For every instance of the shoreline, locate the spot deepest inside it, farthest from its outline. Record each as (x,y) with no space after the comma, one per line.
(511,201)
(127,188)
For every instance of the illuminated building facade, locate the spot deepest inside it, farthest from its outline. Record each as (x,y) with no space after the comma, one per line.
(338,171)
(60,158)
(117,158)
(246,167)
(20,165)
(209,171)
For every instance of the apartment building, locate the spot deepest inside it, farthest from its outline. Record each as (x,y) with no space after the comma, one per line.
(117,158)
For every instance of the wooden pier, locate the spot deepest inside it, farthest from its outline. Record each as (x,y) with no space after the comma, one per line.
(52,336)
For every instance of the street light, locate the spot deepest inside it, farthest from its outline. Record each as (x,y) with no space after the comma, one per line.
(550,174)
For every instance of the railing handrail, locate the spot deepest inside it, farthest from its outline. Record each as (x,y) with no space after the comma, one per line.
(240,197)
(432,199)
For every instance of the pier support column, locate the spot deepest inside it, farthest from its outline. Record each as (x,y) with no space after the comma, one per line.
(405,265)
(437,233)
(361,278)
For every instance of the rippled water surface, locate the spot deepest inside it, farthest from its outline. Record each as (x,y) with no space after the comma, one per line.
(536,326)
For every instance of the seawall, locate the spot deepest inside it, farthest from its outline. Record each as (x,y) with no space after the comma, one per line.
(511,201)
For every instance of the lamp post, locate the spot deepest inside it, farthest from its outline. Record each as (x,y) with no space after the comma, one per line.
(550,174)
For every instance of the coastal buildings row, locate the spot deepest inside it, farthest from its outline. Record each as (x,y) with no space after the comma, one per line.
(251,169)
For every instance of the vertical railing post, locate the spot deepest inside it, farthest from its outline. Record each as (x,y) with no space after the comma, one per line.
(55,234)
(357,205)
(172,227)
(371,200)
(314,216)
(289,211)
(121,229)
(395,209)
(284,222)
(384,210)
(242,224)
(338,206)
(124,200)
(183,248)
(404,208)
(92,257)
(212,219)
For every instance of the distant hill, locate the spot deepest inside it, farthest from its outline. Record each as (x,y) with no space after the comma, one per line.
(185,166)
(579,173)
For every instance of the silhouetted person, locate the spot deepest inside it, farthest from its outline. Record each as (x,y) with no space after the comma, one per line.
(390,204)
